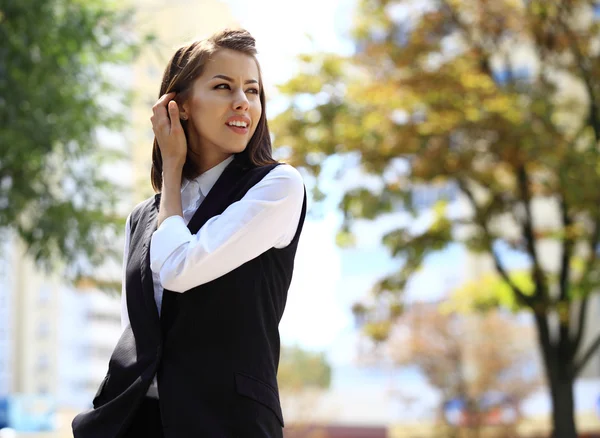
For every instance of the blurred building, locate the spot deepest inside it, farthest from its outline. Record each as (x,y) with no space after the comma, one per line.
(29,348)
(6,319)
(50,340)
(28,318)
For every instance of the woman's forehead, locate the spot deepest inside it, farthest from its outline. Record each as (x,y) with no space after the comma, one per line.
(233,64)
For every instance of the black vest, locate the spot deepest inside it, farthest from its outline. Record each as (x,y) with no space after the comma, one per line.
(215,347)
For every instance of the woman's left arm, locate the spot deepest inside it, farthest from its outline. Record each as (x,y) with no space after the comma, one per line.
(266,217)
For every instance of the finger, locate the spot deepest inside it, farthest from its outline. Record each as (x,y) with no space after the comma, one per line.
(161,115)
(155,121)
(160,123)
(163,101)
(174,114)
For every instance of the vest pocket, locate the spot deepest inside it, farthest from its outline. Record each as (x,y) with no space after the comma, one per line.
(259,391)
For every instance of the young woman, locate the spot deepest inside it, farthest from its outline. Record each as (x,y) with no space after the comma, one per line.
(208,261)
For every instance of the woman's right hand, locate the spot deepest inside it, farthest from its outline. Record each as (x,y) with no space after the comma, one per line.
(169,133)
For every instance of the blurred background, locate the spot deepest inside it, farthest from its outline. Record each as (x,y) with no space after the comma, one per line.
(447,276)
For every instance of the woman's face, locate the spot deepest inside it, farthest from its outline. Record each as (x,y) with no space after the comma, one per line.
(223,107)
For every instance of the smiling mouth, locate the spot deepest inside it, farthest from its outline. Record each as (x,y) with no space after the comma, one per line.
(238,129)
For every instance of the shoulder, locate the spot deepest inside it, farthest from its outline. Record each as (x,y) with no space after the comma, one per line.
(142,206)
(287,174)
(280,175)
(140,209)
(282,180)
(276,182)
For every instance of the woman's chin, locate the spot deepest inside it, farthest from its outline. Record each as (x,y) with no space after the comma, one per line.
(237,149)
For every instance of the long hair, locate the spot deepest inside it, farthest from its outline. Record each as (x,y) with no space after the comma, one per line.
(186,65)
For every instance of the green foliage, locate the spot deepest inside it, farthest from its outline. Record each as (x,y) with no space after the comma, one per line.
(490,292)
(499,99)
(440,90)
(58,87)
(299,369)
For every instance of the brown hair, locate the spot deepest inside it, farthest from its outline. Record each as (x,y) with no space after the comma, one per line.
(186,65)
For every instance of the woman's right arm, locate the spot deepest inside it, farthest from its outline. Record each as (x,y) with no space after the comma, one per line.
(124,313)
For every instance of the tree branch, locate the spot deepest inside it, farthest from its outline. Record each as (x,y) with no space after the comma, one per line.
(565,342)
(567,251)
(586,76)
(594,241)
(464,28)
(537,274)
(594,120)
(590,352)
(481,221)
(582,315)
(581,320)
(548,349)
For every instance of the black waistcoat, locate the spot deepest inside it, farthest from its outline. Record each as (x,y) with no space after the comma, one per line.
(215,347)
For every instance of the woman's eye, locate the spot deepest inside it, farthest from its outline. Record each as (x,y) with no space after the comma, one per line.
(228,87)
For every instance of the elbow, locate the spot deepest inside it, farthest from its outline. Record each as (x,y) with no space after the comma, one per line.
(171,271)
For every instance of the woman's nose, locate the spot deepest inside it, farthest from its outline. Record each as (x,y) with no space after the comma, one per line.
(240,102)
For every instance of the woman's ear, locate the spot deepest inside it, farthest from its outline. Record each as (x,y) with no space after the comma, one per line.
(183,111)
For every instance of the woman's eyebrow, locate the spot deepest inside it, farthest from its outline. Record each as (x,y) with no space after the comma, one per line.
(227,78)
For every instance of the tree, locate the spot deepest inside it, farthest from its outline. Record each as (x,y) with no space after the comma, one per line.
(299,369)
(484,361)
(499,101)
(57,93)
(302,377)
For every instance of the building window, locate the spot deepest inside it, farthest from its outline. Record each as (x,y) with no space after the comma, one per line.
(43,362)
(45,295)
(43,330)
(43,389)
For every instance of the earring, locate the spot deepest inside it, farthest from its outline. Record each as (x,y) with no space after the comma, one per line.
(183,117)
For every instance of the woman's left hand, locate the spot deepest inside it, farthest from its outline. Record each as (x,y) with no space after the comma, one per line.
(169,133)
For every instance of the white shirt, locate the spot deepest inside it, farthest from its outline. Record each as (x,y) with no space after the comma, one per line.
(267,216)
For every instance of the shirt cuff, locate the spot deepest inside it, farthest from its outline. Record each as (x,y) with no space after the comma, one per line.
(172,233)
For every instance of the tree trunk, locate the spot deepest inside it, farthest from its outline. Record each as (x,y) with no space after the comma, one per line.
(563,407)
(561,379)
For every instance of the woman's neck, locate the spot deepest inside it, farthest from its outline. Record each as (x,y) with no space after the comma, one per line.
(206,159)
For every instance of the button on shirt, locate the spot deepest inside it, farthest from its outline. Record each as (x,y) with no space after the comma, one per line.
(266,217)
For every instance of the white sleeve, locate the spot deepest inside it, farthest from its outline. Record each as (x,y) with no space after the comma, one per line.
(124,312)
(266,217)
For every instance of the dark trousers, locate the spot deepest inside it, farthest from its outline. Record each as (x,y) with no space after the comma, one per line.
(146,421)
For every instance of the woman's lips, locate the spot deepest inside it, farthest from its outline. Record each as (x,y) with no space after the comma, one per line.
(237,129)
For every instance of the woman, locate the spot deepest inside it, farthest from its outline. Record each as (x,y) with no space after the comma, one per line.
(208,261)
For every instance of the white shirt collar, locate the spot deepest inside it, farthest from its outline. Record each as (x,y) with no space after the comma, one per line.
(207,180)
